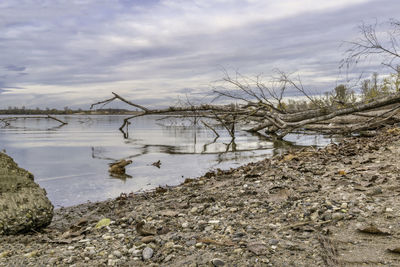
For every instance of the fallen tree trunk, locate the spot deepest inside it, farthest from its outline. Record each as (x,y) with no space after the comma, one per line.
(345,120)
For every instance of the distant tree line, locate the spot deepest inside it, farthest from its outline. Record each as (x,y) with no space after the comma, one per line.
(66,111)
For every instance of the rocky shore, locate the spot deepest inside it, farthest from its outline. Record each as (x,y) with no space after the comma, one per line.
(336,206)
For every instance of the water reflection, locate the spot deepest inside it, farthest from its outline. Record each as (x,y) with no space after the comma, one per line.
(71,162)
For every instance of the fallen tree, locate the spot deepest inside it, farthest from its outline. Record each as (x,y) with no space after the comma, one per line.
(276,120)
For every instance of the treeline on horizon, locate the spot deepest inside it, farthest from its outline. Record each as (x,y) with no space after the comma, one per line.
(66,111)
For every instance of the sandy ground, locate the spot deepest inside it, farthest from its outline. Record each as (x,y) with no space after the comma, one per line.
(336,206)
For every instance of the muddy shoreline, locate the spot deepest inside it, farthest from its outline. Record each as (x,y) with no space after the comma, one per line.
(315,207)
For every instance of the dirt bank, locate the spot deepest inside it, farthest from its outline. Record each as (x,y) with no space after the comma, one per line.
(334,206)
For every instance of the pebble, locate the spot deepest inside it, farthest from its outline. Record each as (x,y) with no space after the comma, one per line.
(147,253)
(337,216)
(106,237)
(135,252)
(117,253)
(217,262)
(273,241)
(148,239)
(169,257)
(194,210)
(31,254)
(169,244)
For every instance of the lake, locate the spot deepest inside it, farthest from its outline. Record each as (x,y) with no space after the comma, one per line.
(71,162)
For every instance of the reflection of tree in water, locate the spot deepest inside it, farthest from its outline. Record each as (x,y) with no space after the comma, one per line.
(8,121)
(226,147)
(191,133)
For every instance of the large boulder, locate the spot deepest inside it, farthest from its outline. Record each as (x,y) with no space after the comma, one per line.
(24,206)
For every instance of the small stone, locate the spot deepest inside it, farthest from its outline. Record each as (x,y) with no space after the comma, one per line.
(257,248)
(169,257)
(117,253)
(389,210)
(344,205)
(199,245)
(5,254)
(31,254)
(135,252)
(217,262)
(169,213)
(314,216)
(185,225)
(169,244)
(147,253)
(191,242)
(238,251)
(213,221)
(337,216)
(208,228)
(148,239)
(273,241)
(106,237)
(194,210)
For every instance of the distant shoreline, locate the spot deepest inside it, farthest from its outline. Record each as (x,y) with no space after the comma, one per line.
(67,112)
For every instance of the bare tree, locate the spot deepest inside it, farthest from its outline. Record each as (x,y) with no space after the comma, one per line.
(376,40)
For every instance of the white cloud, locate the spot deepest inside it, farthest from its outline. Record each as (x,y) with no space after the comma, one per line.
(76,50)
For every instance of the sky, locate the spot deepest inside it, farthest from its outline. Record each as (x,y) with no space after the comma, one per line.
(58,53)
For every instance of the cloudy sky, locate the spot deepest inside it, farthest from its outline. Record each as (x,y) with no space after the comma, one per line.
(57,53)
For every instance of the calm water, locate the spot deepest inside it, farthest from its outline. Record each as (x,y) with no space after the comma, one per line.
(71,162)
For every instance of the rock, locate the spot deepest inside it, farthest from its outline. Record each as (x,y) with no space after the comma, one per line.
(337,216)
(117,253)
(24,206)
(135,252)
(103,223)
(142,229)
(169,213)
(217,262)
(147,253)
(148,239)
(106,237)
(257,248)
(273,241)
